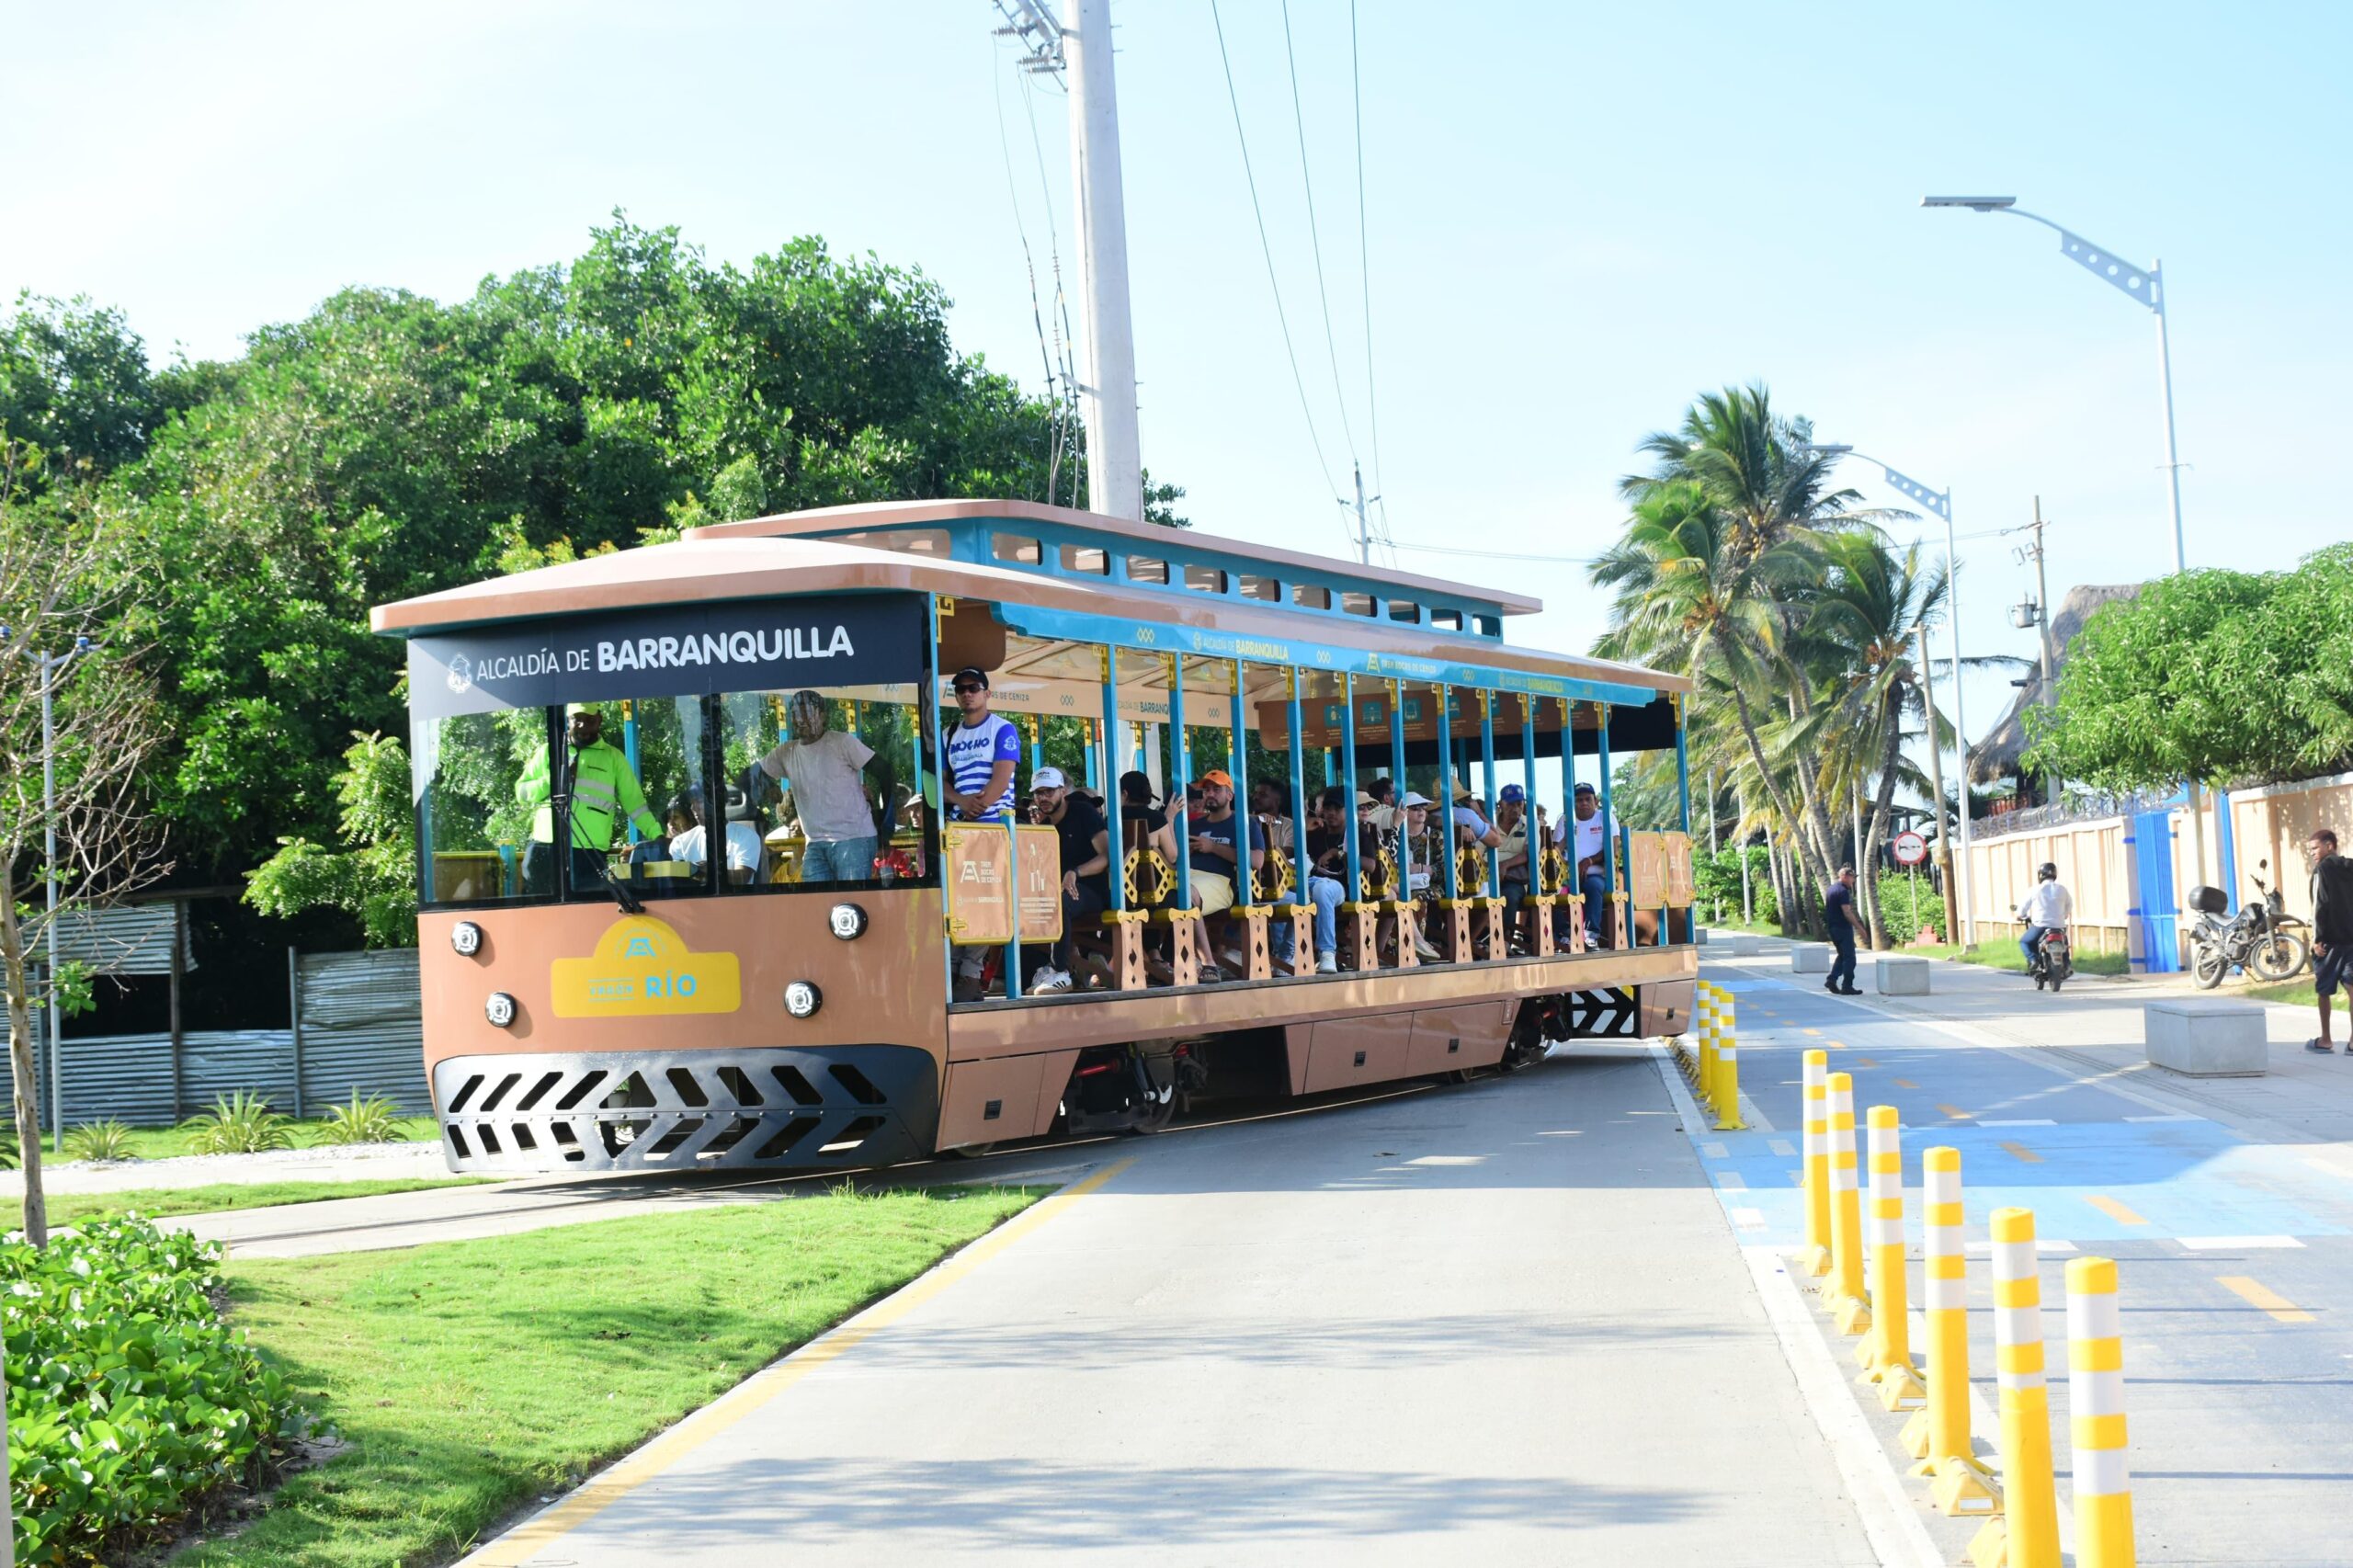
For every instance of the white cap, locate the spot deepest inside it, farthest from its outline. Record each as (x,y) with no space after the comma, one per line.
(1049,778)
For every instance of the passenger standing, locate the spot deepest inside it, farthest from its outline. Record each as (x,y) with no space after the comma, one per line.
(1837,915)
(827,767)
(981,752)
(2332,928)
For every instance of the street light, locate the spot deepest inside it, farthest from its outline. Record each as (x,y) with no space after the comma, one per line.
(1940,503)
(51,666)
(2144,285)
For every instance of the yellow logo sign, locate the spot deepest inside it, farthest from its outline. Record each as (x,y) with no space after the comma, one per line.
(641,969)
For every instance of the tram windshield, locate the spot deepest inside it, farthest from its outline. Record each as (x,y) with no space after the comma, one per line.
(674,753)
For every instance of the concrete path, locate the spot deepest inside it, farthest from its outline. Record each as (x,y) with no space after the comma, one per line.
(2228,1204)
(1503,1324)
(354,1161)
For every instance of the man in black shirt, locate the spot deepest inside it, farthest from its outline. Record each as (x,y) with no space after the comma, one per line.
(1837,915)
(2332,928)
(1086,864)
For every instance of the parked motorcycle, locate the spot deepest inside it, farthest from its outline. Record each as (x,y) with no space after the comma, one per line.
(2054,959)
(2249,940)
(2276,910)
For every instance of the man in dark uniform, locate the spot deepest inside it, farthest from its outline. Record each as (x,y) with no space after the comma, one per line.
(2332,928)
(1838,915)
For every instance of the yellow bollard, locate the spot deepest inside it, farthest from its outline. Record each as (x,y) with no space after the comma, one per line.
(1700,1064)
(1844,1285)
(2103,1488)
(1815,1259)
(1728,1077)
(1939,1435)
(2026,1535)
(1885,1354)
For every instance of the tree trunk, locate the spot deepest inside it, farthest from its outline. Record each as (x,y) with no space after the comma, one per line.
(1772,786)
(20,1056)
(1883,805)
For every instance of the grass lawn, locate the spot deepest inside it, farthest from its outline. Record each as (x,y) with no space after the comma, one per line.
(473,1377)
(2003,954)
(164,1142)
(2296,993)
(158,1203)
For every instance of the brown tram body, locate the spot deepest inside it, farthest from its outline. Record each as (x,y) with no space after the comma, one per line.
(662,1038)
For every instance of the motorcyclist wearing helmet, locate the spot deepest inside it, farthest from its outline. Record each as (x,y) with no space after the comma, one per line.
(825,769)
(2047,909)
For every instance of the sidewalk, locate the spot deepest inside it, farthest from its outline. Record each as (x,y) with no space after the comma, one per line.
(345,1162)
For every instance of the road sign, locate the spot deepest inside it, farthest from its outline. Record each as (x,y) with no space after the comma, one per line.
(1910,849)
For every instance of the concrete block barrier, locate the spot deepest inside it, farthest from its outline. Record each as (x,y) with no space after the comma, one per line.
(2206,1036)
(1899,975)
(1745,947)
(1810,958)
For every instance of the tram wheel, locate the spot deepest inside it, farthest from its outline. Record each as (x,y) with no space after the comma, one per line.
(972,1150)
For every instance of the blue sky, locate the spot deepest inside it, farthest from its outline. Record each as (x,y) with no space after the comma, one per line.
(1578,216)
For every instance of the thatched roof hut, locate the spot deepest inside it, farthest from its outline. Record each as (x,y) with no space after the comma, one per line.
(1995,756)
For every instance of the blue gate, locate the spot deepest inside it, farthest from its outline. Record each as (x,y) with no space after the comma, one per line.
(2156,915)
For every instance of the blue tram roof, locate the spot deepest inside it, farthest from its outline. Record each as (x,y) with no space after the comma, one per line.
(1058,541)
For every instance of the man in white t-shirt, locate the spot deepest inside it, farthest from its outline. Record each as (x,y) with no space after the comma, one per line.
(981,752)
(1584,837)
(826,770)
(745,850)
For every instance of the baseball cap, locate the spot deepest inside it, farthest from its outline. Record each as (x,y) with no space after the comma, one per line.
(1049,778)
(970,672)
(1584,790)
(1416,798)
(1218,776)
(1512,794)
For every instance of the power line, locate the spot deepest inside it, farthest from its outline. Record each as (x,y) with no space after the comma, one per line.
(1036,314)
(1315,236)
(1267,251)
(1364,262)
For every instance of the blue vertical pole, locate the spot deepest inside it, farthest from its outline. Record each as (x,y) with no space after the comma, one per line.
(1037,743)
(1237,765)
(629,749)
(1180,770)
(1487,765)
(1683,766)
(1349,778)
(936,794)
(1528,767)
(1446,789)
(1568,776)
(1297,790)
(1112,825)
(1608,822)
(2227,848)
(1397,788)
(1093,747)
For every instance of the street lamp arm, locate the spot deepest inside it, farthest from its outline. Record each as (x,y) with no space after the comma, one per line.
(2132,281)
(1937,501)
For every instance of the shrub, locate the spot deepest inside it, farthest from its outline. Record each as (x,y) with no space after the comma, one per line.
(1895,908)
(128,1398)
(107,1140)
(1716,878)
(371,1121)
(241,1124)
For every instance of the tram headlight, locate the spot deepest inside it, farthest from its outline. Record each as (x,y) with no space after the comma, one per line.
(499,1009)
(466,937)
(848,921)
(801,999)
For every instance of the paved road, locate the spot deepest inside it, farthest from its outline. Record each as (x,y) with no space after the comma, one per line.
(1503,1324)
(2227,1203)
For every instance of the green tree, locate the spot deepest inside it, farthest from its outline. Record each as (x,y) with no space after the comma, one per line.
(375,881)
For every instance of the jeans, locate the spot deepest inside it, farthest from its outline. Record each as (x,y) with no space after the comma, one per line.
(1079,910)
(838,859)
(1842,969)
(1594,886)
(2034,934)
(1326,895)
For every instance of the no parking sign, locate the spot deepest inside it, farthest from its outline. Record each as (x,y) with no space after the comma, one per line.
(1910,849)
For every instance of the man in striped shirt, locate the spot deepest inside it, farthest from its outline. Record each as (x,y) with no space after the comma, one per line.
(981,752)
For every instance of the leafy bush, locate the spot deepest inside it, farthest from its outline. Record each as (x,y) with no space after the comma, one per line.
(1895,908)
(371,1121)
(128,1398)
(1717,877)
(241,1124)
(107,1140)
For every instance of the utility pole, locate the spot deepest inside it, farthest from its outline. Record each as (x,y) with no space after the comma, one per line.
(1937,783)
(1364,530)
(1106,389)
(2040,619)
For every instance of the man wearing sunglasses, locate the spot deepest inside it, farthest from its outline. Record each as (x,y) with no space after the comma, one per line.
(981,752)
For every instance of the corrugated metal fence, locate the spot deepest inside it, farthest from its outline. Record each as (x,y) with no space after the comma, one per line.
(357,1029)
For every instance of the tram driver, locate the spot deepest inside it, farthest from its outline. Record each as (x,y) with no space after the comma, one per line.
(602,786)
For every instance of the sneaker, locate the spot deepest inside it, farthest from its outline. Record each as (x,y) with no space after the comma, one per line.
(1327,963)
(2322,1045)
(1421,945)
(1048,979)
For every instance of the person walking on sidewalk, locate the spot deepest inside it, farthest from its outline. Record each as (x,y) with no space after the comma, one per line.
(2332,928)
(1838,915)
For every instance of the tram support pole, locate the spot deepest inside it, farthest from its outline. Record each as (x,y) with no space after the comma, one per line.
(1302,909)
(1401,897)
(1458,908)
(1127,937)
(936,795)
(1359,917)
(1184,925)
(1613,918)
(1537,914)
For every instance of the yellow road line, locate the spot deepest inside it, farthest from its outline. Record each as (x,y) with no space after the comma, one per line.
(1865,1061)
(2255,1295)
(1814,1032)
(2115,1210)
(1906,1083)
(525,1541)
(1954,1113)
(2021,1151)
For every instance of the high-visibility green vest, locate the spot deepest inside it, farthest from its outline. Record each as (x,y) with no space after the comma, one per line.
(603,786)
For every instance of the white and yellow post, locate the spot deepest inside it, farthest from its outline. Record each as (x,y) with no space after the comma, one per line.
(2103,1487)
(2026,1535)
(1727,1067)
(1938,1435)
(1844,1285)
(1695,1066)
(1815,1259)
(1885,1354)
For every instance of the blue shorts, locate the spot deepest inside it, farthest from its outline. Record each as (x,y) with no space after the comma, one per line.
(2333,970)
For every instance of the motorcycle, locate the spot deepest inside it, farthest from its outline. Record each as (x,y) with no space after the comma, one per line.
(2054,959)
(2249,940)
(2276,912)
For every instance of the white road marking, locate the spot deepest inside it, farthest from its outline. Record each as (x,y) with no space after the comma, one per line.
(2236,1243)
(1750,1219)
(1714,1152)
(2022,1121)
(1783,1147)
(2168,1118)
(1985,1249)
(1731,1181)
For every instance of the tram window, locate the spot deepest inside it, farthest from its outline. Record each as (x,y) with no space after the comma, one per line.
(1357,604)
(639,814)
(1404,611)
(1490,626)
(827,782)
(1308,596)
(1205,579)
(473,826)
(1014,548)
(1146,569)
(1086,558)
(1257,587)
(1446,619)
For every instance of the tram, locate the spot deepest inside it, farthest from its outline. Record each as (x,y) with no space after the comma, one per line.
(716,968)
